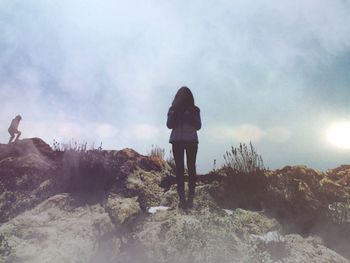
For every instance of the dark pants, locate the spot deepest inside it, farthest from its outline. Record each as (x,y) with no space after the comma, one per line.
(179,149)
(12,132)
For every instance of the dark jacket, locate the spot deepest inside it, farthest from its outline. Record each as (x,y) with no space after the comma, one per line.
(184,122)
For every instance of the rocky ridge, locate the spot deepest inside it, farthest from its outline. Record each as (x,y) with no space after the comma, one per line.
(93,206)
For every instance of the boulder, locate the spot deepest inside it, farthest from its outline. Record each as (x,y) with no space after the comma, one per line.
(26,175)
(26,146)
(146,186)
(296,195)
(104,216)
(207,233)
(122,210)
(340,175)
(57,231)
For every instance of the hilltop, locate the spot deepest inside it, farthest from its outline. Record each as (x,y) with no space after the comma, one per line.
(99,205)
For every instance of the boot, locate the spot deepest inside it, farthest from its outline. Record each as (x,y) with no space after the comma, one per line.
(189,203)
(190,198)
(182,202)
(182,197)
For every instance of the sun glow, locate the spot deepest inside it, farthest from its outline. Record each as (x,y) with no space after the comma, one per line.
(339,135)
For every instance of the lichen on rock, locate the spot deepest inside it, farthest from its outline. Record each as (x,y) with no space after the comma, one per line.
(92,206)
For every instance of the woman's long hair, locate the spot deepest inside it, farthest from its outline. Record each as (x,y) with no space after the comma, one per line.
(183,98)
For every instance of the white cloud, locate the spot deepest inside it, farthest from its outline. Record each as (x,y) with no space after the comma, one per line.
(242,133)
(104,130)
(114,66)
(145,131)
(249,132)
(64,131)
(278,134)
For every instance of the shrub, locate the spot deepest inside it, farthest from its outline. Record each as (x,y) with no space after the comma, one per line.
(245,182)
(244,160)
(85,170)
(157,151)
(72,146)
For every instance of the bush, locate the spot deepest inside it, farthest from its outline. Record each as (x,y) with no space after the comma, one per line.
(244,160)
(85,170)
(72,146)
(245,182)
(157,151)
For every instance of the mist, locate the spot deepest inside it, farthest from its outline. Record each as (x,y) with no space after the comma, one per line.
(268,72)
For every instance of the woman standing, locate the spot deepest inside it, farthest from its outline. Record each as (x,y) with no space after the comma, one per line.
(184,120)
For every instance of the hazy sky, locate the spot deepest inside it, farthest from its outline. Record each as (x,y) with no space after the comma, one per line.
(274,72)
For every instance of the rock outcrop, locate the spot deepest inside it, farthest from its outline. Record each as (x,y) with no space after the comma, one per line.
(30,172)
(92,206)
(26,176)
(304,197)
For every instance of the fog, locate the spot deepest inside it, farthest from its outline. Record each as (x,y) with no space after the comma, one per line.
(271,72)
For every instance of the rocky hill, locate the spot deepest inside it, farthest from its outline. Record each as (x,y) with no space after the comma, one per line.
(120,206)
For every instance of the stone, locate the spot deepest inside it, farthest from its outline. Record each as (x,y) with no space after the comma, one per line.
(122,210)
(109,220)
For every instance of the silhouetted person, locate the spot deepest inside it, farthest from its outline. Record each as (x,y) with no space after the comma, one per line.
(184,120)
(13,129)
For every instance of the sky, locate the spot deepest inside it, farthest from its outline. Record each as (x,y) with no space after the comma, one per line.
(272,72)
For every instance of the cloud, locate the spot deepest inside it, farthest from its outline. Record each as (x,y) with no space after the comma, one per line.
(109,70)
(277,134)
(104,130)
(64,131)
(249,132)
(145,131)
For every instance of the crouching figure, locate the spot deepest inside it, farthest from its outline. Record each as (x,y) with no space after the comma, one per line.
(13,129)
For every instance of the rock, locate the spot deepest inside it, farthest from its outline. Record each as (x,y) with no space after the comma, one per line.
(26,164)
(26,146)
(273,247)
(340,175)
(169,236)
(272,237)
(296,194)
(204,235)
(301,248)
(122,210)
(255,223)
(57,231)
(131,160)
(170,197)
(104,217)
(333,191)
(306,193)
(145,185)
(24,182)
(63,229)
(105,170)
